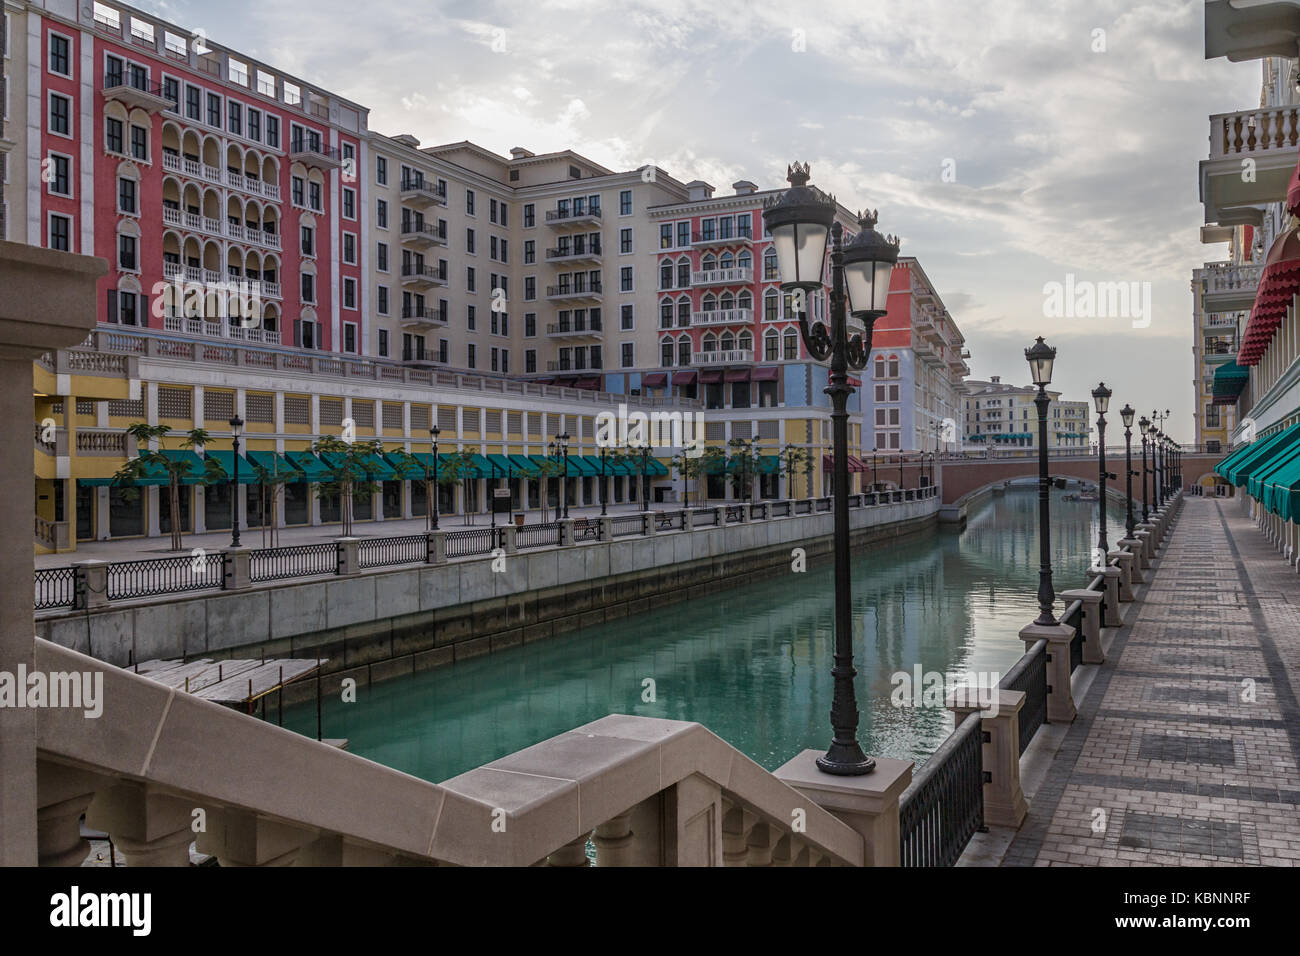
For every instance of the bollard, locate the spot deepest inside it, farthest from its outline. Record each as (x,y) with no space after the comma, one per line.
(1004,800)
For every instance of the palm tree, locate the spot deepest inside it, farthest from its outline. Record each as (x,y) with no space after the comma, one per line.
(176,469)
(348,475)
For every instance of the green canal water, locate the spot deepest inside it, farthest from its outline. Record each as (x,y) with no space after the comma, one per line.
(751,663)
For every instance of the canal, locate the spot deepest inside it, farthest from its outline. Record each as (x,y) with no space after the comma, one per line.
(751,663)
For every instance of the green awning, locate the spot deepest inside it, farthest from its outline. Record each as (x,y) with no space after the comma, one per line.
(584,465)
(406,465)
(274,464)
(1261,474)
(1281,491)
(656,468)
(1229,379)
(525,466)
(500,466)
(1264,451)
(769,464)
(226,459)
(375,467)
(156,475)
(313,468)
(1221,468)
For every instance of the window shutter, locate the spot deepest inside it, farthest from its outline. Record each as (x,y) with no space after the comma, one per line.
(319,340)
(112,305)
(142,311)
(297,332)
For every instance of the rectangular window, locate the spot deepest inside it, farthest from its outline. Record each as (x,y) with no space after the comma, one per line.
(61,233)
(113,133)
(530,288)
(139,142)
(349,248)
(273,131)
(625,279)
(530,360)
(254,124)
(381,257)
(469,356)
(61,175)
(469,241)
(192,97)
(349,204)
(625,202)
(624,241)
(235,118)
(126,253)
(471,279)
(383,340)
(530,215)
(530,324)
(381,213)
(684,233)
(381,170)
(126,196)
(349,293)
(349,337)
(492,210)
(626,355)
(666,236)
(59,55)
(314,195)
(296,191)
(625,320)
(60,114)
(214,110)
(383,301)
(530,251)
(112,71)
(471,318)
(308,241)
(469,202)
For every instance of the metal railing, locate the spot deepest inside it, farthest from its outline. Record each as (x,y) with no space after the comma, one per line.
(537,535)
(627,524)
(383,552)
(1073,617)
(1029,676)
(472,541)
(55,587)
(130,579)
(274,564)
(944,804)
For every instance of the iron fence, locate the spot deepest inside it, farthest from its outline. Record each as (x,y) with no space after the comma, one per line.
(537,536)
(625,525)
(472,541)
(382,552)
(190,572)
(55,587)
(706,518)
(1073,617)
(1029,675)
(295,561)
(944,805)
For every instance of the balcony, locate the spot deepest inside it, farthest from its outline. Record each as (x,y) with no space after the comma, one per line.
(423,357)
(733,276)
(560,365)
(563,218)
(241,232)
(197,170)
(1267,137)
(716,317)
(1216,353)
(575,330)
(250,184)
(422,277)
(422,234)
(310,153)
(728,357)
(717,239)
(566,254)
(419,320)
(418,192)
(136,95)
(1212,320)
(588,293)
(1228,287)
(209,329)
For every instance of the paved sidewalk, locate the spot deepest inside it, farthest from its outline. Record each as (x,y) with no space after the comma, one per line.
(1187,746)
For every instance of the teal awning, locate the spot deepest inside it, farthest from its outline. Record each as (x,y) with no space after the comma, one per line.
(1281,491)
(1259,475)
(500,466)
(1229,380)
(276,465)
(313,468)
(226,459)
(1262,452)
(155,474)
(525,466)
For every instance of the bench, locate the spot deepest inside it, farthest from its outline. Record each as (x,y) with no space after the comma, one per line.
(664,522)
(585,528)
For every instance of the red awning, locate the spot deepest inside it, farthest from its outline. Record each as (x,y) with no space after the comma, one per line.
(855,464)
(711,377)
(543,381)
(655,380)
(566,381)
(737,375)
(683,378)
(1292,193)
(1277,287)
(766,374)
(591,384)
(855,382)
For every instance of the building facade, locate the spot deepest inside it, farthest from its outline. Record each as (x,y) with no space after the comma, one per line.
(996,414)
(272,257)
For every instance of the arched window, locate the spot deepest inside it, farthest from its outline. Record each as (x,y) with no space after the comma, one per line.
(666,352)
(684,312)
(710,303)
(683,272)
(728,341)
(791,345)
(708,262)
(771,346)
(666,313)
(728,302)
(744,260)
(727,261)
(710,343)
(880,366)
(770,301)
(770,273)
(745,342)
(744,301)
(684,350)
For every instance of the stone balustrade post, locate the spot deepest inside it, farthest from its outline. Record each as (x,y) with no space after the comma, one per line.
(606,528)
(508,544)
(435,548)
(566,532)
(573,853)
(1092,601)
(149,827)
(1004,800)
(1110,617)
(1127,574)
(1060,699)
(1134,546)
(649,521)
(91,584)
(349,555)
(63,795)
(1144,542)
(613,840)
(239,838)
(236,566)
(868,804)
(688,520)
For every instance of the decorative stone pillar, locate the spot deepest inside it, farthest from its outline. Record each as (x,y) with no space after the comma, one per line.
(92,583)
(1060,700)
(1092,601)
(236,564)
(151,828)
(349,550)
(1124,561)
(1004,800)
(63,794)
(508,539)
(1134,546)
(868,804)
(239,838)
(1143,536)
(688,520)
(435,549)
(613,840)
(573,853)
(566,531)
(736,824)
(1111,577)
(606,528)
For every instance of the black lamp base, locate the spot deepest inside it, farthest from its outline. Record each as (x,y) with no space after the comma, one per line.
(845,761)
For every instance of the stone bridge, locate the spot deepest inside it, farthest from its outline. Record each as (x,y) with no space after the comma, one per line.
(965,478)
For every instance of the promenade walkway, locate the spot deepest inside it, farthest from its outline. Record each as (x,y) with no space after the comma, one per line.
(1187,745)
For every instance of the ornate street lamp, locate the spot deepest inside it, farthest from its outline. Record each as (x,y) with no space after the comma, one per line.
(236,431)
(1155,467)
(800,220)
(604,487)
(1143,424)
(1126,415)
(434,432)
(1041,356)
(563,442)
(1162,469)
(645,477)
(1101,401)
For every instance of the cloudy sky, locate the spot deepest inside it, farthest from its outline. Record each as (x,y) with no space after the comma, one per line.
(1009,144)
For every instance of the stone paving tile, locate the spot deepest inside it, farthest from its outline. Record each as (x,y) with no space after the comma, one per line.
(1186,751)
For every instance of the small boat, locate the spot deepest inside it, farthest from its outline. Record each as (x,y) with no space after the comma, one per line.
(1087,496)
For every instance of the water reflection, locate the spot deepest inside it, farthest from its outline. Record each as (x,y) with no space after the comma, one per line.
(752,663)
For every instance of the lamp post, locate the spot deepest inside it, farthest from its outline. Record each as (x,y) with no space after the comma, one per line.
(645,477)
(1041,356)
(604,489)
(800,220)
(236,431)
(874,483)
(434,432)
(563,442)
(1101,401)
(1155,467)
(1161,476)
(1143,424)
(1126,415)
